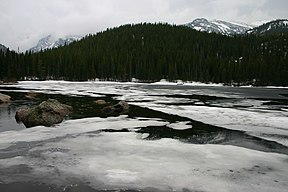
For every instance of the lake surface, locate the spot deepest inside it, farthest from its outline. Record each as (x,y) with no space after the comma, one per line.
(174,138)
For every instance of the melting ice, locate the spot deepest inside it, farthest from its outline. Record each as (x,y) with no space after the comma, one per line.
(79,150)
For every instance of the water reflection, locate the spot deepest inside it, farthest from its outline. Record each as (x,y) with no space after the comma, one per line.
(7,116)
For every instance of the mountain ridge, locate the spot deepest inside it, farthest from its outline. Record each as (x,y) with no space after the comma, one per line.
(199,24)
(277,26)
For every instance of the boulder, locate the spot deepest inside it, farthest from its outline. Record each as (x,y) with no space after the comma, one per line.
(118,109)
(100,102)
(4,98)
(47,113)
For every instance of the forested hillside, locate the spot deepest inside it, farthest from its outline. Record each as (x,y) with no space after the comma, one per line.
(150,52)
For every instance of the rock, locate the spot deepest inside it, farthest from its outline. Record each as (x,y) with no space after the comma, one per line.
(31,95)
(100,102)
(47,113)
(4,98)
(52,105)
(124,105)
(22,113)
(120,108)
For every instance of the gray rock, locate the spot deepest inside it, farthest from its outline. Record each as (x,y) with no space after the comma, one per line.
(4,98)
(118,109)
(47,113)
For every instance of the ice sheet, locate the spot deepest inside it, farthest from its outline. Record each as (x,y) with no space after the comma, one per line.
(124,161)
(74,127)
(180,125)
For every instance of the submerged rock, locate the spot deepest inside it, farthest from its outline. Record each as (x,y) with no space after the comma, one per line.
(100,102)
(4,98)
(32,95)
(118,109)
(47,113)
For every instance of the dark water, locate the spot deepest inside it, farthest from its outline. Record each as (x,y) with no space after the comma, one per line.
(84,107)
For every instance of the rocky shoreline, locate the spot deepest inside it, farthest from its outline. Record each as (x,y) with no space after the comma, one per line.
(50,111)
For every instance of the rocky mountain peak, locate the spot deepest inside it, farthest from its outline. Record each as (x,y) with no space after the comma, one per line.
(219,26)
(50,42)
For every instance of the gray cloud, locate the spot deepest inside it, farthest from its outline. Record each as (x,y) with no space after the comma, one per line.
(24,22)
(278,8)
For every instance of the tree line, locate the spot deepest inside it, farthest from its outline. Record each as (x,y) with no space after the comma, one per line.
(150,52)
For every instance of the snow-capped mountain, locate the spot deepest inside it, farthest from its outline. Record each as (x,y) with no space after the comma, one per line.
(272,27)
(3,48)
(50,42)
(218,26)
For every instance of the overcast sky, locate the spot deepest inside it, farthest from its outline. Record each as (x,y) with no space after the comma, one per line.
(24,22)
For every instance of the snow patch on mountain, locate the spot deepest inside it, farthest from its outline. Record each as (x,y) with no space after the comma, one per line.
(51,42)
(218,26)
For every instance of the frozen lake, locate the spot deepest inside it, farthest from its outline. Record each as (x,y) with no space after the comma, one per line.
(175,138)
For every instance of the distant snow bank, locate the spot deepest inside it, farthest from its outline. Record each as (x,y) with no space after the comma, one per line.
(135,81)
(189,83)
(161,82)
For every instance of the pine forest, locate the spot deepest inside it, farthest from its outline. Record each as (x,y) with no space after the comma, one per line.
(150,52)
